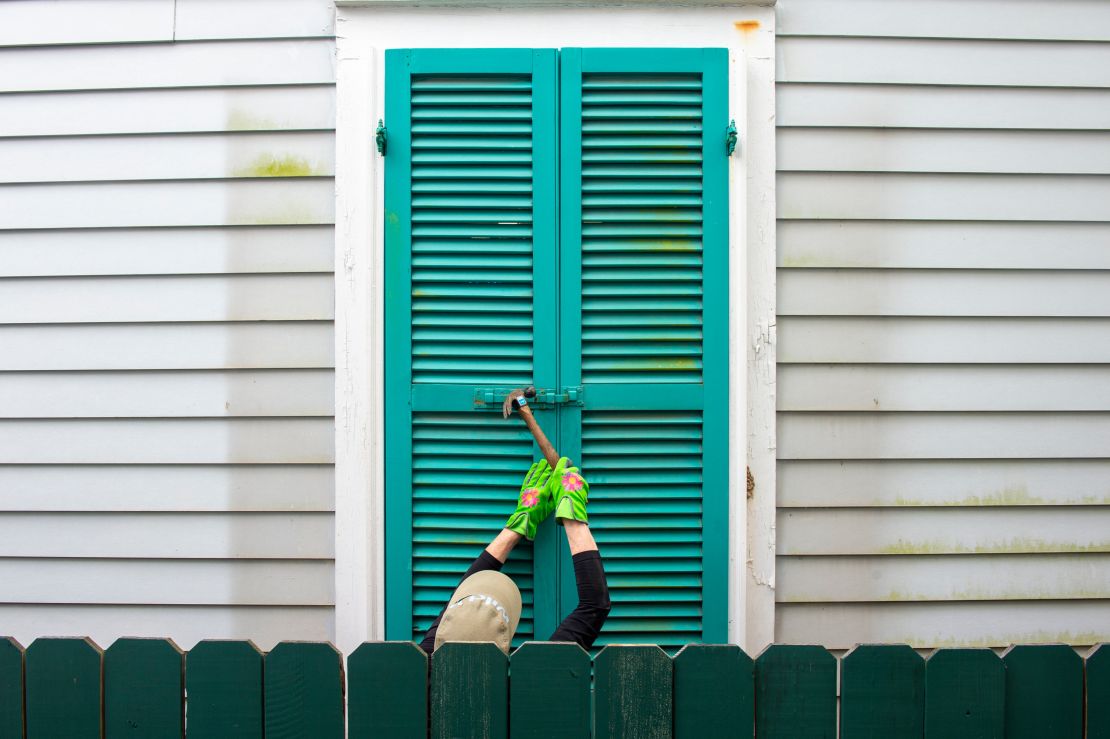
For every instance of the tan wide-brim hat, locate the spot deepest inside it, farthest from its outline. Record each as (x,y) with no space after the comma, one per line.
(485,607)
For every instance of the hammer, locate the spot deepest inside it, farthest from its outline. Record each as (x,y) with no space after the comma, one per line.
(518,399)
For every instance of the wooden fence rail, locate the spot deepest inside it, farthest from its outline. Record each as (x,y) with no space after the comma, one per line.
(71,689)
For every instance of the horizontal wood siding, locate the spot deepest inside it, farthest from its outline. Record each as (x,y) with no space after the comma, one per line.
(166,305)
(944,325)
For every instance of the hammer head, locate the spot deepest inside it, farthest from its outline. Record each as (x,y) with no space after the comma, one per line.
(520,392)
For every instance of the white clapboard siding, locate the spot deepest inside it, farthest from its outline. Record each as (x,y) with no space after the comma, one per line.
(943,323)
(241,202)
(917,292)
(85,22)
(167,441)
(299,535)
(193,64)
(953,340)
(945,483)
(913,531)
(257,582)
(167,251)
(1065,20)
(158,346)
(167,487)
(992,197)
(927,625)
(237,19)
(964,435)
(944,62)
(177,110)
(176,157)
(943,244)
(167,394)
(282,297)
(166,296)
(263,625)
(948,578)
(917,150)
(943,388)
(934,107)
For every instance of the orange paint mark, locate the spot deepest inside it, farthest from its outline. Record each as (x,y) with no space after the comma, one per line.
(746,26)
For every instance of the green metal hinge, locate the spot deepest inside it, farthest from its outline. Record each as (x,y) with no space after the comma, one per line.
(546,399)
(380,136)
(730,138)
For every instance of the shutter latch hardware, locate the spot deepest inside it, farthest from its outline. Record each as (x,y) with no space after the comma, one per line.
(546,398)
(730,138)
(379,137)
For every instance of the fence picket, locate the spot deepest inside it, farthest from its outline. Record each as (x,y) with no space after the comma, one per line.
(470,688)
(11,687)
(223,681)
(1098,692)
(964,694)
(387,691)
(303,686)
(882,692)
(64,688)
(633,692)
(795,696)
(551,681)
(1044,692)
(143,681)
(714,692)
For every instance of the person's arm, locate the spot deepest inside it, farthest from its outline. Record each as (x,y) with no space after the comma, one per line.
(515,399)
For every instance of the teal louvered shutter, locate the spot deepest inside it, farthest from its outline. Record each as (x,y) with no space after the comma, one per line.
(470,264)
(644,330)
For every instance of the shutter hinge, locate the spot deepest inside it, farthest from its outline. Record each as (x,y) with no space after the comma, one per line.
(546,399)
(730,138)
(379,137)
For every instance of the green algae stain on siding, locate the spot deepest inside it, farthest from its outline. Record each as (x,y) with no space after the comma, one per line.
(270,165)
(1015,545)
(1016,495)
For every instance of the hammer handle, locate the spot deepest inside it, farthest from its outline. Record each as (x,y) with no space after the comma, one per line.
(546,449)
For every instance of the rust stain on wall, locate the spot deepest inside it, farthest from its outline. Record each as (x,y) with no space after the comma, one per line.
(746,26)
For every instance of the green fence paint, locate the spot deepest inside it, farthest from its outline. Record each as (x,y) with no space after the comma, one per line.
(223,682)
(549,691)
(143,683)
(387,691)
(795,695)
(633,692)
(303,688)
(964,694)
(1044,692)
(714,692)
(64,693)
(11,688)
(882,693)
(470,691)
(1098,692)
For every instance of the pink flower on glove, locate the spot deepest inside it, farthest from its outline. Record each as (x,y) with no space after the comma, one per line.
(529,497)
(572,481)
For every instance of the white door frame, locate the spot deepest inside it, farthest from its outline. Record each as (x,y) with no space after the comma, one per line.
(364,29)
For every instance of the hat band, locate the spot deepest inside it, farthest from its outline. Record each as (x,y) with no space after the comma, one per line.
(491,601)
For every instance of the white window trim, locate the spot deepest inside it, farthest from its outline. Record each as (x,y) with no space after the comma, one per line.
(364,29)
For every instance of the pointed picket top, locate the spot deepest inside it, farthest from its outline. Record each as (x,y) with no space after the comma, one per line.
(1098,692)
(882,692)
(964,694)
(223,681)
(387,690)
(11,687)
(470,691)
(63,677)
(633,693)
(144,689)
(1044,691)
(304,691)
(795,692)
(546,674)
(714,691)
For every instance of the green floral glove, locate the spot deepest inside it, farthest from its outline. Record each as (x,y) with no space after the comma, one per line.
(570,490)
(536,501)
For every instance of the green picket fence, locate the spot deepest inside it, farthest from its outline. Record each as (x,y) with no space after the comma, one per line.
(71,689)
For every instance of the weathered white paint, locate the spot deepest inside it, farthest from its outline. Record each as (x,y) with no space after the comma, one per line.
(165,332)
(174,110)
(167,487)
(177,157)
(944,462)
(237,345)
(145,251)
(362,35)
